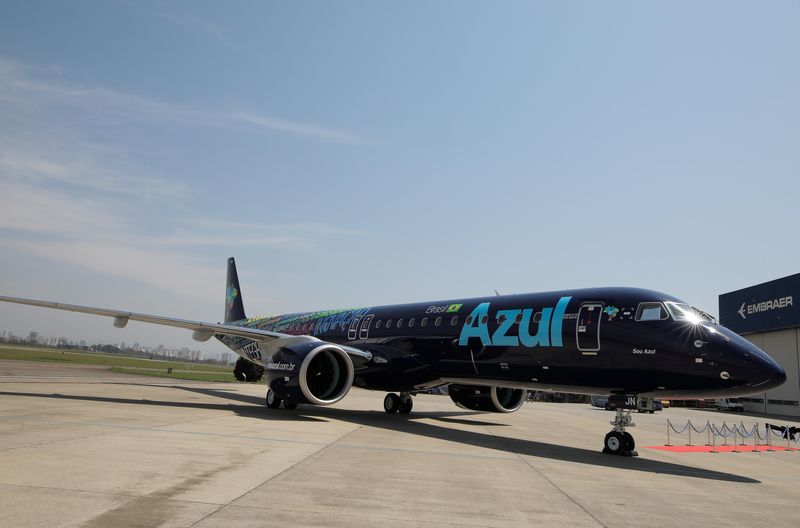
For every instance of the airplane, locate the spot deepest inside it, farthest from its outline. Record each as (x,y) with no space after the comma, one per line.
(635,345)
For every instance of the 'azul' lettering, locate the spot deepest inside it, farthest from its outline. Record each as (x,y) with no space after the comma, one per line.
(542,336)
(548,331)
(477,328)
(500,338)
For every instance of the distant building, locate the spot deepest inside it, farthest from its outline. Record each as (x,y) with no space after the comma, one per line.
(768,315)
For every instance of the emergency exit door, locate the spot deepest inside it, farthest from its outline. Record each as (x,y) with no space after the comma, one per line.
(588,328)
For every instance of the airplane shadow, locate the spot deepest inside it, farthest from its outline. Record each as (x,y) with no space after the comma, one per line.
(254,408)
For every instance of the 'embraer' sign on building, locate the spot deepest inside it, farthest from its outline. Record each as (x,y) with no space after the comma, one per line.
(769,306)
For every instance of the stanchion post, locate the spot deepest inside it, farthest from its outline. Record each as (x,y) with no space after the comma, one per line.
(735,447)
(689,427)
(714,443)
(768,430)
(755,439)
(708,430)
(668,444)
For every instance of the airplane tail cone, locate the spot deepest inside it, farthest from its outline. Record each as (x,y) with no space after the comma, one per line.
(234,309)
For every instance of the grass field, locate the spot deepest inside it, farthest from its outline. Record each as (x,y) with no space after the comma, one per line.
(179,374)
(145,367)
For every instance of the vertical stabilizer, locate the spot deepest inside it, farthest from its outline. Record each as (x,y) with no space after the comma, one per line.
(234,309)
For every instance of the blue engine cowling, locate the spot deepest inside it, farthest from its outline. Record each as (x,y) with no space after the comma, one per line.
(487,399)
(312,372)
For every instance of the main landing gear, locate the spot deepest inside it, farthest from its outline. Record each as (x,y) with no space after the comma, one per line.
(402,404)
(273,402)
(618,441)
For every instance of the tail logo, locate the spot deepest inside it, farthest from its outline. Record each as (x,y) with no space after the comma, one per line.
(231,295)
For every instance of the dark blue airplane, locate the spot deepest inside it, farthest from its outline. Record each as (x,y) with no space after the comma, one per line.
(633,344)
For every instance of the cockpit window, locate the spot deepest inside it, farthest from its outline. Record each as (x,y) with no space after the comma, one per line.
(684,312)
(651,311)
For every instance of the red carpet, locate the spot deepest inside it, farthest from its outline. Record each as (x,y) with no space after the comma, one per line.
(719,448)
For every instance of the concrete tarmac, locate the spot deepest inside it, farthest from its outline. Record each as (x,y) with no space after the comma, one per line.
(84,447)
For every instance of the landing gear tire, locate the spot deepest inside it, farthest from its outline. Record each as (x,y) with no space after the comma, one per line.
(406,405)
(289,405)
(630,443)
(392,403)
(273,402)
(614,443)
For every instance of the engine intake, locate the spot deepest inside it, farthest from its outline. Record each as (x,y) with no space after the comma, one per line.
(488,399)
(312,372)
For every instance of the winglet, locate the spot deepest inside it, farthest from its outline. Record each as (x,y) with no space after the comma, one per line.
(234,309)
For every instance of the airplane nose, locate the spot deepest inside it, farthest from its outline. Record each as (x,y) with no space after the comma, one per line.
(775,375)
(768,374)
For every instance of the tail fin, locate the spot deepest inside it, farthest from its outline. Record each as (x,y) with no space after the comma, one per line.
(234,309)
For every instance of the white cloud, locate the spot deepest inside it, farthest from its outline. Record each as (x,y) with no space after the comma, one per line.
(20,85)
(70,198)
(96,234)
(36,210)
(291,127)
(184,15)
(83,168)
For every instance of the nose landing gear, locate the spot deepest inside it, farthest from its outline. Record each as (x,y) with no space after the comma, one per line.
(618,441)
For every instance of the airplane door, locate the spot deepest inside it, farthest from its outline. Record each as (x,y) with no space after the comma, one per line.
(365,326)
(588,328)
(352,330)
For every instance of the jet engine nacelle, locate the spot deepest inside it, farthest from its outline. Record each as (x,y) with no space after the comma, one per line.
(487,399)
(312,372)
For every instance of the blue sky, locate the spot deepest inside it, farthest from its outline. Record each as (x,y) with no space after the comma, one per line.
(360,153)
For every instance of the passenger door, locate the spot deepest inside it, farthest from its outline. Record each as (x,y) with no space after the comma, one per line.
(364,333)
(352,331)
(588,328)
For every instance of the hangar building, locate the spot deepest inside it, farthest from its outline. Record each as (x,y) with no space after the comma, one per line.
(768,315)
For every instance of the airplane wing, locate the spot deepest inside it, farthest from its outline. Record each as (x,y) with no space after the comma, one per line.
(201,331)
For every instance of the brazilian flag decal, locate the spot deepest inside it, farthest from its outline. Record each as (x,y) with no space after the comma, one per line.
(453,308)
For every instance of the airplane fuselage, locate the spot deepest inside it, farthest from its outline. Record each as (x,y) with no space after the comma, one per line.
(591,341)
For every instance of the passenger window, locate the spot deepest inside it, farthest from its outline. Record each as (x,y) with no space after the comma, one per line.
(537,317)
(454,320)
(378,323)
(469,320)
(389,323)
(518,319)
(326,327)
(484,319)
(501,318)
(399,323)
(438,322)
(651,311)
(424,322)
(411,322)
